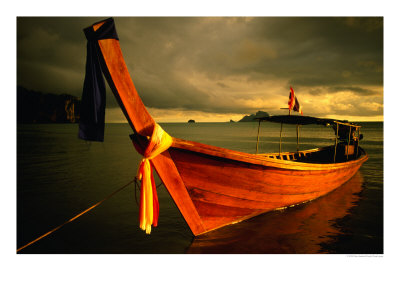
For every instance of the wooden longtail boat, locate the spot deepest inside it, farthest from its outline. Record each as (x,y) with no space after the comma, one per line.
(214,187)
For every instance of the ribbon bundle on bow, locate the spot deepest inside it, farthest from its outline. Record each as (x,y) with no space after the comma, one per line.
(149,207)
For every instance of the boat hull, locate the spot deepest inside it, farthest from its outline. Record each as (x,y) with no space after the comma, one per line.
(224,189)
(313,225)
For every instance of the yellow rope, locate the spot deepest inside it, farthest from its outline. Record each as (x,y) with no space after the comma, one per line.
(77,216)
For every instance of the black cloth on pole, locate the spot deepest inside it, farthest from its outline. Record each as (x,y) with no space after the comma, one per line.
(93,105)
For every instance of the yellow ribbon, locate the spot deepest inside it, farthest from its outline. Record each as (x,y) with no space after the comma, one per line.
(149,207)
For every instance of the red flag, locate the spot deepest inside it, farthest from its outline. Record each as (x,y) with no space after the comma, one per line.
(293,102)
(291,98)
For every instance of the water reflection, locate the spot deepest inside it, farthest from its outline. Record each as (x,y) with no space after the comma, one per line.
(300,229)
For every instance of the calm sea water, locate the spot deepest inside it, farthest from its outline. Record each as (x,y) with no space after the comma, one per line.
(59,176)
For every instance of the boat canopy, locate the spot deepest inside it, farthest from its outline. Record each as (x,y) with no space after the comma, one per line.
(344,130)
(303,120)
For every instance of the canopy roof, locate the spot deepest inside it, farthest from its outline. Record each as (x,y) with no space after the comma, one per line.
(304,120)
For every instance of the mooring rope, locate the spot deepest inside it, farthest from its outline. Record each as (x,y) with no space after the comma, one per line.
(77,216)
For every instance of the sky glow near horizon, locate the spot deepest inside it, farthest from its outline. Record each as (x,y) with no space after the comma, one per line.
(216,69)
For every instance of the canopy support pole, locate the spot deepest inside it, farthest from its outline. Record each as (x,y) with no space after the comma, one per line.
(298,133)
(348,145)
(258,135)
(336,137)
(358,140)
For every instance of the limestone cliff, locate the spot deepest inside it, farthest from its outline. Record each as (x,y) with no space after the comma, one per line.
(37,107)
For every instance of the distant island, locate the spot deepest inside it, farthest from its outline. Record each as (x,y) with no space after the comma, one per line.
(252,117)
(191,121)
(37,107)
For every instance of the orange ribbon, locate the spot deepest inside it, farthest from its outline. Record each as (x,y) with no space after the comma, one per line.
(149,206)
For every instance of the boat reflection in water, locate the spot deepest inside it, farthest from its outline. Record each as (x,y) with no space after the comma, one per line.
(299,229)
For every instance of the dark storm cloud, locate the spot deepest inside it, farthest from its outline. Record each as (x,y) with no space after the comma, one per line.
(213,64)
(51,53)
(319,51)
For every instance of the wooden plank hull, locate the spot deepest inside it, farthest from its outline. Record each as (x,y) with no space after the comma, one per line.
(226,191)
(313,225)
